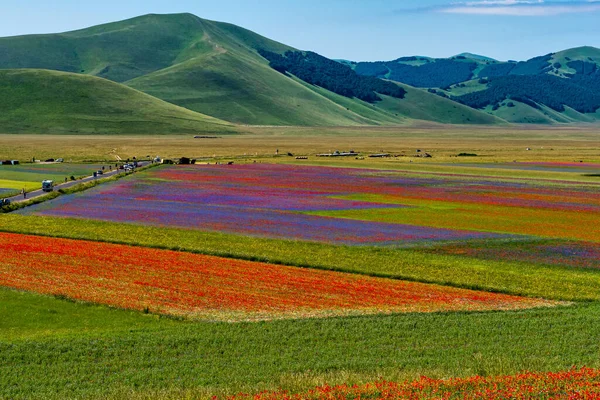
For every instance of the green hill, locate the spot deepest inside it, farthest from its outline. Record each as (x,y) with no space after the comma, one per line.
(245,90)
(568,59)
(42,101)
(212,68)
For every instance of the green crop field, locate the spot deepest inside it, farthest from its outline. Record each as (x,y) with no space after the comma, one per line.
(30,176)
(53,348)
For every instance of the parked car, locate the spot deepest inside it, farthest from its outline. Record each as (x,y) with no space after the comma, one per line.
(48,186)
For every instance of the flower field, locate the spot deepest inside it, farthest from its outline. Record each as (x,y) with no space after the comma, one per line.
(558,252)
(479,217)
(522,244)
(206,287)
(541,223)
(261,200)
(573,384)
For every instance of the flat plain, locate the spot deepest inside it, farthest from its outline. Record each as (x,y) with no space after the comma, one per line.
(284,275)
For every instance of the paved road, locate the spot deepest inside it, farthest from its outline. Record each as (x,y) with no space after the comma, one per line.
(37,193)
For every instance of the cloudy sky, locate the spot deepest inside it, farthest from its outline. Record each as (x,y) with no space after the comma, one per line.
(352,29)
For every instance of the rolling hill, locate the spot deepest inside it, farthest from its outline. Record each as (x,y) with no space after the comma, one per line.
(43,101)
(217,69)
(560,87)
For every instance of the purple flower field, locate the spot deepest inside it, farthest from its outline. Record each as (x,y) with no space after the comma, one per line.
(558,253)
(261,200)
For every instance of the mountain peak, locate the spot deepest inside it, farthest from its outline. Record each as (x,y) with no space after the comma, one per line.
(473,56)
(582,52)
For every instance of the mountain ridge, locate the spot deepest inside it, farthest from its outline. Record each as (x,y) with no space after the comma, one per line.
(213,68)
(544,86)
(216,69)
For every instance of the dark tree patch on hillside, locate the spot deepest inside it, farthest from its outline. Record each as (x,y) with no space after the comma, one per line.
(535,66)
(407,59)
(376,69)
(581,93)
(495,70)
(440,73)
(583,67)
(331,75)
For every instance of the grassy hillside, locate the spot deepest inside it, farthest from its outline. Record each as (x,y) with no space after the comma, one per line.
(201,65)
(585,54)
(215,68)
(244,90)
(42,101)
(123,50)
(419,104)
(209,67)
(231,81)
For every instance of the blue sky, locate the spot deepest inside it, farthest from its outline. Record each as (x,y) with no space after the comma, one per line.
(352,29)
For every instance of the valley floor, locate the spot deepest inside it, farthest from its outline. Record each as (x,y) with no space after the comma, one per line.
(442,141)
(277,273)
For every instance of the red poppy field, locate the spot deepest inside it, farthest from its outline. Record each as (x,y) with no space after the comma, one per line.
(214,288)
(573,384)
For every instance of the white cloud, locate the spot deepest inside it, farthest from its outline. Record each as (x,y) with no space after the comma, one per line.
(525,8)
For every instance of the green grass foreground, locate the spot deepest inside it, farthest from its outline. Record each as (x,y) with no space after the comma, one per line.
(52,349)
(520,278)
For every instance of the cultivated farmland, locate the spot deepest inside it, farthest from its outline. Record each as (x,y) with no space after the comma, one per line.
(303,280)
(13,178)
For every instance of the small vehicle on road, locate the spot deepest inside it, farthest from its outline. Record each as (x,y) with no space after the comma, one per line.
(48,186)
